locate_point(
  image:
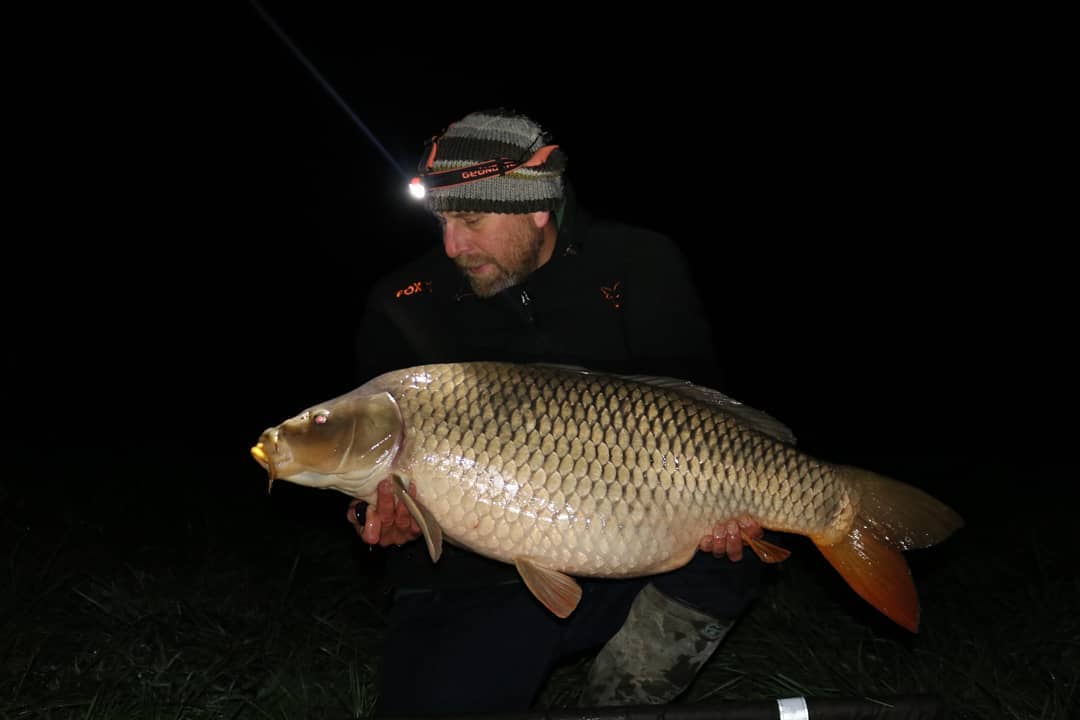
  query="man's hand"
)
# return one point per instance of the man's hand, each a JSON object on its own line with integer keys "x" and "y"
{"x": 727, "y": 538}
{"x": 387, "y": 522}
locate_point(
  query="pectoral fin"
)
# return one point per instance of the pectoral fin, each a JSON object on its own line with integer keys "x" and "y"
{"x": 558, "y": 592}
{"x": 428, "y": 526}
{"x": 767, "y": 551}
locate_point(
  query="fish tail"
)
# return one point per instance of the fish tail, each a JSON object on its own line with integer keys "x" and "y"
{"x": 890, "y": 517}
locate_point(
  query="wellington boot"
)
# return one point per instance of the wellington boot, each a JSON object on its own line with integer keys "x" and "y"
{"x": 655, "y": 655}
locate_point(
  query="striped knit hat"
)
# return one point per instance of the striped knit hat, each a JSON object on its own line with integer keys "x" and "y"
{"x": 512, "y": 167}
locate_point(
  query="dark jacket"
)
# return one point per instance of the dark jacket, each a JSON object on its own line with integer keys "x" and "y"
{"x": 613, "y": 297}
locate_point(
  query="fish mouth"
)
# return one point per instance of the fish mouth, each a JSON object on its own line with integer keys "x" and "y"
{"x": 263, "y": 459}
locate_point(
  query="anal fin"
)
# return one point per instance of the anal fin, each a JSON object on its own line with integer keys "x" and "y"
{"x": 765, "y": 550}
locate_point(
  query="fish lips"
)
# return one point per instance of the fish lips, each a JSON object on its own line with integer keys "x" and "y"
{"x": 259, "y": 453}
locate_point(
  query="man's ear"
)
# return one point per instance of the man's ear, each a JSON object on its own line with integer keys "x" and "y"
{"x": 541, "y": 218}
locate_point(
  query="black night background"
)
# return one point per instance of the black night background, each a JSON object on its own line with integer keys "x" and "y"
{"x": 196, "y": 221}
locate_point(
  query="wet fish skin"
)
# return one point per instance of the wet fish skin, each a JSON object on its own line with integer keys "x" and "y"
{"x": 570, "y": 473}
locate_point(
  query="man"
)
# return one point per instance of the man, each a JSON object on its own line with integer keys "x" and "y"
{"x": 526, "y": 275}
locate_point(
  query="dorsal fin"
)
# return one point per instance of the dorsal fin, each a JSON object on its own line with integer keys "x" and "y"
{"x": 757, "y": 419}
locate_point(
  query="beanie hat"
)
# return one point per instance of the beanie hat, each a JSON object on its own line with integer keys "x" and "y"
{"x": 491, "y": 135}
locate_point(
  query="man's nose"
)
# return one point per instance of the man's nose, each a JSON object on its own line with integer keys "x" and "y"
{"x": 455, "y": 240}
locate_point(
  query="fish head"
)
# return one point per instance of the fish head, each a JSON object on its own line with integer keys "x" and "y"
{"x": 346, "y": 444}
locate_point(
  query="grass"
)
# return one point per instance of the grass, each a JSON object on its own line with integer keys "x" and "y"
{"x": 186, "y": 600}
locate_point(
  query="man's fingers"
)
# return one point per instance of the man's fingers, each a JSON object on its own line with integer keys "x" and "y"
{"x": 393, "y": 536}
{"x": 386, "y": 502}
{"x": 372, "y": 526}
{"x": 725, "y": 541}
{"x": 387, "y": 522}
{"x": 734, "y": 547}
{"x": 402, "y": 518}
{"x": 750, "y": 526}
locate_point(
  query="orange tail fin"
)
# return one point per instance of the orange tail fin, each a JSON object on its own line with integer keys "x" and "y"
{"x": 892, "y": 516}
{"x": 878, "y": 573}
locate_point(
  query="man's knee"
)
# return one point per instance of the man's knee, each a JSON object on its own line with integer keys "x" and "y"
{"x": 718, "y": 587}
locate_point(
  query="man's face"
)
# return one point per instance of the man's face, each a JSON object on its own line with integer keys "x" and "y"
{"x": 494, "y": 250}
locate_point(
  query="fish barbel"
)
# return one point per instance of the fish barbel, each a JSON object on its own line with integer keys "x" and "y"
{"x": 565, "y": 472}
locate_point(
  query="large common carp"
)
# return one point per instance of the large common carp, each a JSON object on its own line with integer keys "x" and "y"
{"x": 565, "y": 472}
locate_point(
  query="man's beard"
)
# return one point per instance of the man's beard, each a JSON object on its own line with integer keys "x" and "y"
{"x": 521, "y": 258}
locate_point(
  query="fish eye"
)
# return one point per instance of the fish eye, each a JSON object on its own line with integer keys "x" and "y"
{"x": 321, "y": 418}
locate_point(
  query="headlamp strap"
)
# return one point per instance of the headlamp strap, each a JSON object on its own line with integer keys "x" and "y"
{"x": 479, "y": 171}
